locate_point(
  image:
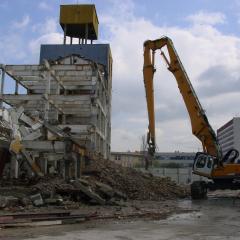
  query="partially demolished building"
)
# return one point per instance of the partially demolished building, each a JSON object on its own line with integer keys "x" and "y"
{"x": 64, "y": 117}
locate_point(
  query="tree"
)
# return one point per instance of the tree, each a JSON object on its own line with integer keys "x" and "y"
{"x": 143, "y": 149}
{"x": 143, "y": 146}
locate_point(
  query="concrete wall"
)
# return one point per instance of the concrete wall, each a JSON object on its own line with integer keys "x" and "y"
{"x": 127, "y": 159}
{"x": 179, "y": 175}
{"x": 99, "y": 53}
{"x": 136, "y": 159}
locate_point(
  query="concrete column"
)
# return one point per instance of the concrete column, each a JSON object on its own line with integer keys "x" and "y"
{"x": 67, "y": 157}
{"x": 14, "y": 168}
{"x": 79, "y": 165}
{"x": 43, "y": 165}
{"x": 63, "y": 115}
{"x": 16, "y": 87}
{"x": 67, "y": 169}
{"x": 75, "y": 164}
{"x": 61, "y": 169}
{"x": 2, "y": 86}
{"x": 47, "y": 92}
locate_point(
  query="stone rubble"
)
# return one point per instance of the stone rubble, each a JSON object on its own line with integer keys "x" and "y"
{"x": 102, "y": 183}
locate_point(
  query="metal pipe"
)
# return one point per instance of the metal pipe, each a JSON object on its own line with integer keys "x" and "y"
{"x": 86, "y": 33}
{"x": 65, "y": 32}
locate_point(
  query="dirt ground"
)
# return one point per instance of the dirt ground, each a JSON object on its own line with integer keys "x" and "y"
{"x": 214, "y": 218}
{"x": 131, "y": 211}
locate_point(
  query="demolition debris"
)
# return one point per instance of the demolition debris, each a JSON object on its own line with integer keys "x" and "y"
{"x": 104, "y": 183}
{"x": 55, "y": 135}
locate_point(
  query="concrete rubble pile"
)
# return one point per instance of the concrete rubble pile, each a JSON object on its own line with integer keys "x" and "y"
{"x": 134, "y": 184}
{"x": 54, "y": 191}
{"x": 103, "y": 183}
{"x": 24, "y": 138}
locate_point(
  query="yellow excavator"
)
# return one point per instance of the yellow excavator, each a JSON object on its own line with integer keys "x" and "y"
{"x": 221, "y": 171}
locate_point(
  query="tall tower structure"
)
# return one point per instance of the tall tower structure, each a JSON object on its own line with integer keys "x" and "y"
{"x": 68, "y": 93}
{"x": 80, "y": 23}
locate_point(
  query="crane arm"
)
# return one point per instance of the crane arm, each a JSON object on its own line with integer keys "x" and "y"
{"x": 200, "y": 125}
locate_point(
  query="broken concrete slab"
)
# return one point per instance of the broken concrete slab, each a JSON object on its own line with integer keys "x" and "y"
{"x": 8, "y": 201}
{"x": 56, "y": 200}
{"x": 37, "y": 200}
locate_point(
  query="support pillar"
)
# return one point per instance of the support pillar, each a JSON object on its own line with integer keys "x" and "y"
{"x": 14, "y": 167}
{"x": 68, "y": 159}
{"x": 75, "y": 165}
{"x": 16, "y": 88}
{"x": 65, "y": 34}
{"x": 86, "y": 33}
{"x": 78, "y": 167}
{"x": 43, "y": 165}
{"x": 47, "y": 92}
{"x": 2, "y": 87}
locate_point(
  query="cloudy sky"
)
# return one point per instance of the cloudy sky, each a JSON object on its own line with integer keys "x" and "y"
{"x": 206, "y": 34}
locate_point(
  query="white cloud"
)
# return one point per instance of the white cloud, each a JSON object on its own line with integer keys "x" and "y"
{"x": 201, "y": 48}
{"x": 48, "y": 26}
{"x": 44, "y": 6}
{"x": 13, "y": 49}
{"x": 209, "y": 18}
{"x": 211, "y": 59}
{"x": 48, "y": 34}
{"x": 50, "y": 38}
{"x": 22, "y": 23}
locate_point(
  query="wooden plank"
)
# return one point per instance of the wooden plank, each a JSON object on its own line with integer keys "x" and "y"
{"x": 32, "y": 224}
{"x": 33, "y": 215}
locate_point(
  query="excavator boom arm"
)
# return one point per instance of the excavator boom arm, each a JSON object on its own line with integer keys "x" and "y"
{"x": 200, "y": 125}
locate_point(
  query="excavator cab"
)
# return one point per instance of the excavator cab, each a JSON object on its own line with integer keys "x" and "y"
{"x": 203, "y": 164}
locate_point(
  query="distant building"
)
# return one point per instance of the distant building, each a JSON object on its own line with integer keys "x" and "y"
{"x": 127, "y": 159}
{"x": 184, "y": 159}
{"x": 136, "y": 159}
{"x": 229, "y": 135}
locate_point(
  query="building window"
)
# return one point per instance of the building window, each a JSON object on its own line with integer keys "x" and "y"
{"x": 201, "y": 162}
{"x": 117, "y": 157}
